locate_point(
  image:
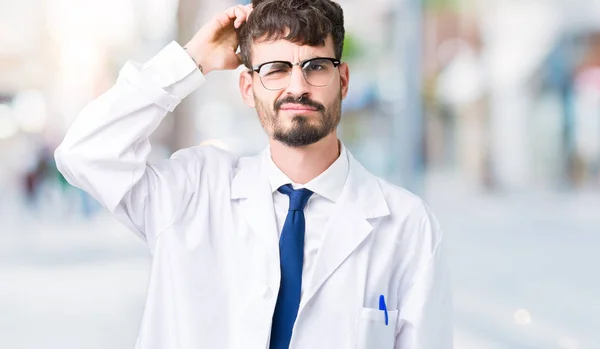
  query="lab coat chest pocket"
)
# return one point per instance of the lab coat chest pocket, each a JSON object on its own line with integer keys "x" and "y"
{"x": 372, "y": 332}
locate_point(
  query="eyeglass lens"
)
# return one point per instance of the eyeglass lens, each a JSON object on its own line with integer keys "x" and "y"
{"x": 317, "y": 72}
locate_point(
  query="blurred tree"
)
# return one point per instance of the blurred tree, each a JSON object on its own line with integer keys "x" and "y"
{"x": 441, "y": 4}
{"x": 352, "y": 48}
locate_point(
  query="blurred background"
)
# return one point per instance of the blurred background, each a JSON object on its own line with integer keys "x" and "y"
{"x": 489, "y": 109}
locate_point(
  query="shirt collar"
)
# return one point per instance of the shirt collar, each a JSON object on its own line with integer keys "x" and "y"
{"x": 328, "y": 184}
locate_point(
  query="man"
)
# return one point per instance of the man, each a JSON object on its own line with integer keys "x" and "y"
{"x": 297, "y": 247}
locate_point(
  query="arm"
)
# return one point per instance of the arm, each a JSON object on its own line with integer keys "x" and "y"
{"x": 426, "y": 321}
{"x": 106, "y": 149}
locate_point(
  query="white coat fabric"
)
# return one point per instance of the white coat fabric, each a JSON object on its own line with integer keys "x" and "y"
{"x": 209, "y": 223}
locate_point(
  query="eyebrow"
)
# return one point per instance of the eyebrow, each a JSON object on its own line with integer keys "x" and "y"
{"x": 302, "y": 60}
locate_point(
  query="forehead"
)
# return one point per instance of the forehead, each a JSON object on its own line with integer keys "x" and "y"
{"x": 264, "y": 51}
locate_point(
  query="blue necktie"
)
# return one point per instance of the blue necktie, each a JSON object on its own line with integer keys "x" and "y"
{"x": 291, "y": 252}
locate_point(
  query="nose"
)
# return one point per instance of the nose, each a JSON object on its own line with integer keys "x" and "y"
{"x": 298, "y": 85}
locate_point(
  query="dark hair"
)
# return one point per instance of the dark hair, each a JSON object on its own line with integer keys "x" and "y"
{"x": 309, "y": 22}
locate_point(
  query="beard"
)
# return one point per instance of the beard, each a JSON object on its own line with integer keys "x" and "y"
{"x": 303, "y": 131}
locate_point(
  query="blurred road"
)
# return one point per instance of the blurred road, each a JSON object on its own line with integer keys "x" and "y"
{"x": 523, "y": 268}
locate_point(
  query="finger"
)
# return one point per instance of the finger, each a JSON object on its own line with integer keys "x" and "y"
{"x": 241, "y": 14}
{"x": 224, "y": 19}
{"x": 237, "y": 11}
{"x": 246, "y": 8}
{"x": 230, "y": 12}
{"x": 236, "y": 14}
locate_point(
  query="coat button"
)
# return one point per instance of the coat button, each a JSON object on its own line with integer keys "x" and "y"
{"x": 268, "y": 293}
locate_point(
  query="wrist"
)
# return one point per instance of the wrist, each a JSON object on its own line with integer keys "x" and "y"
{"x": 198, "y": 60}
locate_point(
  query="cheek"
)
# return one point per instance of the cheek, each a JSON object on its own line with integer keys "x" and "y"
{"x": 333, "y": 95}
{"x": 266, "y": 100}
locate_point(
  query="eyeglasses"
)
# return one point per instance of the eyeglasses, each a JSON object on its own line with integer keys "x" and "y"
{"x": 276, "y": 75}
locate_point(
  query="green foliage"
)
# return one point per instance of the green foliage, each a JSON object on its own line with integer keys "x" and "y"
{"x": 352, "y": 48}
{"x": 440, "y": 4}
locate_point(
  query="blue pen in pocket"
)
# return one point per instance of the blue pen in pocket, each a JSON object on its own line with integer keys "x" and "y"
{"x": 383, "y": 307}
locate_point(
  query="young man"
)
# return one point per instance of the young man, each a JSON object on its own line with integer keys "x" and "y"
{"x": 297, "y": 247}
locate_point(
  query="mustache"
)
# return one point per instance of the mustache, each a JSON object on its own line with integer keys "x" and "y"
{"x": 298, "y": 100}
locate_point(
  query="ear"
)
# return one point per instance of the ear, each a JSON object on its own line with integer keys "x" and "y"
{"x": 246, "y": 88}
{"x": 344, "y": 78}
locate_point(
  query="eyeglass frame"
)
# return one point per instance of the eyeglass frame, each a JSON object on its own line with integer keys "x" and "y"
{"x": 336, "y": 63}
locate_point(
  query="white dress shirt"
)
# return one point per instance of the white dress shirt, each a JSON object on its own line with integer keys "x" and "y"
{"x": 327, "y": 188}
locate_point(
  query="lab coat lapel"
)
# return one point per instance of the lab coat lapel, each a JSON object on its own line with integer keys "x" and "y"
{"x": 361, "y": 199}
{"x": 251, "y": 186}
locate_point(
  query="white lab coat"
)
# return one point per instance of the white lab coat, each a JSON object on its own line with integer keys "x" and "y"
{"x": 209, "y": 223}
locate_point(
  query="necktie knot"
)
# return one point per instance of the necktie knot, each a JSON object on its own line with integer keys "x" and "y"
{"x": 298, "y": 198}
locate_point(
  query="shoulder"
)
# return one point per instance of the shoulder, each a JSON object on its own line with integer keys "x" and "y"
{"x": 204, "y": 153}
{"x": 212, "y": 162}
{"x": 204, "y": 165}
{"x": 414, "y": 217}
{"x": 402, "y": 200}
{"x": 210, "y": 157}
{"x": 404, "y": 210}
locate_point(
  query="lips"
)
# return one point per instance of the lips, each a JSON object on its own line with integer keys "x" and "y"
{"x": 297, "y": 107}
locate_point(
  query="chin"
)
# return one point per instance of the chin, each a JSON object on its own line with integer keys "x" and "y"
{"x": 305, "y": 113}
{"x": 292, "y": 118}
{"x": 300, "y": 118}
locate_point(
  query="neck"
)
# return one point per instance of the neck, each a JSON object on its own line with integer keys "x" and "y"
{"x": 303, "y": 164}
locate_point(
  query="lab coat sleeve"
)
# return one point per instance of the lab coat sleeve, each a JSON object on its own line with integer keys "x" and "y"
{"x": 426, "y": 321}
{"x": 105, "y": 150}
